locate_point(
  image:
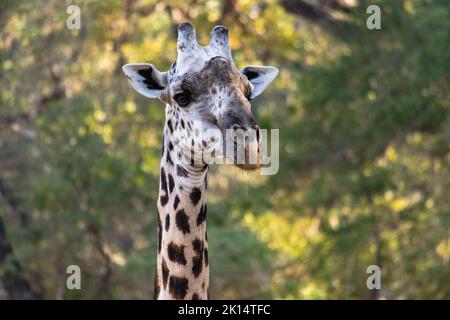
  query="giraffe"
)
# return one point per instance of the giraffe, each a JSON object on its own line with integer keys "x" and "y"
{"x": 203, "y": 87}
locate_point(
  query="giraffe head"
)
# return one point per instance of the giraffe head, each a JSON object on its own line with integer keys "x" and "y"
{"x": 208, "y": 99}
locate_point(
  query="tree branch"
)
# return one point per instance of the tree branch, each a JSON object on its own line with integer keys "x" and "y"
{"x": 309, "y": 11}
{"x": 104, "y": 284}
{"x": 15, "y": 284}
{"x": 13, "y": 203}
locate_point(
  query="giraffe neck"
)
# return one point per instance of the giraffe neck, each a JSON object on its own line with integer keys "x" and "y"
{"x": 182, "y": 256}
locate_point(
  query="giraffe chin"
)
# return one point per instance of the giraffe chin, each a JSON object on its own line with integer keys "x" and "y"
{"x": 250, "y": 158}
{"x": 249, "y": 167}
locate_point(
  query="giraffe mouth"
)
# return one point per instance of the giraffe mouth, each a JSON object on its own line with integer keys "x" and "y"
{"x": 249, "y": 167}
{"x": 248, "y": 157}
{"x": 248, "y": 164}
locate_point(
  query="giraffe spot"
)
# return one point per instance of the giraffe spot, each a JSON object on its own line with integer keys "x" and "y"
{"x": 206, "y": 257}
{"x": 176, "y": 202}
{"x": 164, "y": 198}
{"x": 171, "y": 182}
{"x": 167, "y": 222}
{"x": 169, "y": 125}
{"x": 178, "y": 287}
{"x": 169, "y": 158}
{"x": 197, "y": 260}
{"x": 156, "y": 286}
{"x": 159, "y": 234}
{"x": 165, "y": 273}
{"x": 202, "y": 214}
{"x": 195, "y": 196}
{"x": 182, "y": 172}
{"x": 182, "y": 221}
{"x": 195, "y": 296}
{"x": 176, "y": 253}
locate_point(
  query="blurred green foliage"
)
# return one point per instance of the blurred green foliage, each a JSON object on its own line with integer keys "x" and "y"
{"x": 364, "y": 149}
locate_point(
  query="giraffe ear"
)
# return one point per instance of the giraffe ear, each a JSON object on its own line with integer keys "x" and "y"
{"x": 146, "y": 79}
{"x": 260, "y": 77}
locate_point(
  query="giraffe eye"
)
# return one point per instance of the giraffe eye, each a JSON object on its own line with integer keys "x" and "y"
{"x": 182, "y": 98}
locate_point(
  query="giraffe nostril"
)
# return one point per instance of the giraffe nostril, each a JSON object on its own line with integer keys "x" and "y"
{"x": 236, "y": 127}
{"x": 257, "y": 132}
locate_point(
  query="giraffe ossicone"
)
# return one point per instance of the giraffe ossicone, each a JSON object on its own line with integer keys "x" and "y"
{"x": 206, "y": 97}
